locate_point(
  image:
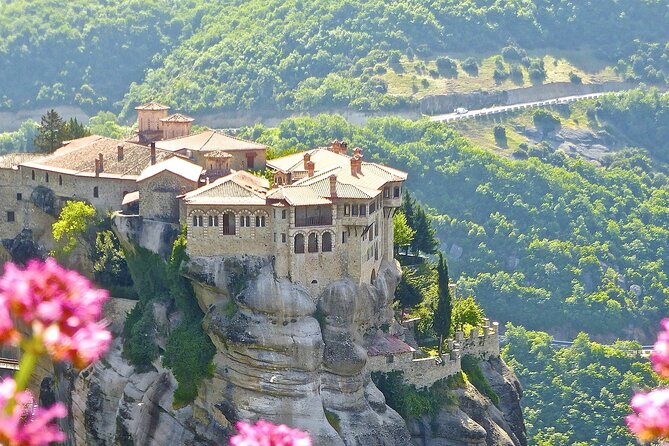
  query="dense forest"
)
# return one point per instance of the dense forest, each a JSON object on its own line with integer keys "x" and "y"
{"x": 277, "y": 55}
{"x": 578, "y": 395}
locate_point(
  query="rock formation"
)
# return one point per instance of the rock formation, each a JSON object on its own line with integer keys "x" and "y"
{"x": 285, "y": 356}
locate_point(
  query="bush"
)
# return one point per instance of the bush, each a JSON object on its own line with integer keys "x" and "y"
{"x": 470, "y": 66}
{"x": 410, "y": 402}
{"x": 471, "y": 367}
{"x": 500, "y": 135}
{"x": 447, "y": 67}
{"x": 500, "y": 75}
{"x": 139, "y": 330}
{"x": 516, "y": 74}
{"x": 545, "y": 121}
{"x": 575, "y": 78}
{"x": 537, "y": 71}
{"x": 512, "y": 53}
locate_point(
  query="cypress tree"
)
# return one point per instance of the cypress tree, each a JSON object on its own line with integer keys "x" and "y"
{"x": 51, "y": 132}
{"x": 444, "y": 311}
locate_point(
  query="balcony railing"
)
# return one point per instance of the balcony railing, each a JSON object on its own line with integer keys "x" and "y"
{"x": 323, "y": 220}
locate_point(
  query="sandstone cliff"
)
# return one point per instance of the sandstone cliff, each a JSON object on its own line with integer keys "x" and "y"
{"x": 286, "y": 356}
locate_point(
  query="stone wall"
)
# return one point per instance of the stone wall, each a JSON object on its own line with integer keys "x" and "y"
{"x": 158, "y": 196}
{"x": 482, "y": 342}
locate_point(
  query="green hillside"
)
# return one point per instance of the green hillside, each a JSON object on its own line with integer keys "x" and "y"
{"x": 259, "y": 54}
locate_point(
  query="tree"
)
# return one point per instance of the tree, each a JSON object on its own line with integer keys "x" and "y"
{"x": 466, "y": 311}
{"x": 545, "y": 121}
{"x": 73, "y": 129}
{"x": 424, "y": 239}
{"x": 74, "y": 220}
{"x": 443, "y": 313}
{"x": 500, "y": 135}
{"x": 402, "y": 232}
{"x": 51, "y": 133}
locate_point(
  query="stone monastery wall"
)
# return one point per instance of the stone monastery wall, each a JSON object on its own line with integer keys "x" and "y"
{"x": 482, "y": 342}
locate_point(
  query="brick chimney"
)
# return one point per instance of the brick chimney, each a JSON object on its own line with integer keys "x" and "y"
{"x": 97, "y": 167}
{"x": 307, "y": 159}
{"x": 120, "y": 152}
{"x": 335, "y": 146}
{"x": 357, "y": 151}
{"x": 343, "y": 148}
{"x": 102, "y": 164}
{"x": 333, "y": 185}
{"x": 356, "y": 161}
{"x": 153, "y": 153}
{"x": 310, "y": 168}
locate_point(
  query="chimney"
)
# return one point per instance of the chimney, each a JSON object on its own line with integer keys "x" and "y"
{"x": 343, "y": 148}
{"x": 335, "y": 146}
{"x": 153, "y": 153}
{"x": 307, "y": 159}
{"x": 310, "y": 168}
{"x": 120, "y": 152}
{"x": 333, "y": 186}
{"x": 102, "y": 165}
{"x": 357, "y": 151}
{"x": 354, "y": 165}
{"x": 97, "y": 167}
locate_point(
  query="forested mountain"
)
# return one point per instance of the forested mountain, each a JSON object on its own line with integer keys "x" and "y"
{"x": 258, "y": 54}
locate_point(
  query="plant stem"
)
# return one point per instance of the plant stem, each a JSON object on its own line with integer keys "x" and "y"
{"x": 26, "y": 367}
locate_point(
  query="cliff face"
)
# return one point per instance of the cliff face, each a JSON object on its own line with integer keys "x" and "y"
{"x": 285, "y": 356}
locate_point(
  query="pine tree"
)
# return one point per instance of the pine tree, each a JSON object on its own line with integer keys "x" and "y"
{"x": 51, "y": 133}
{"x": 425, "y": 239}
{"x": 73, "y": 129}
{"x": 444, "y": 311}
{"x": 408, "y": 208}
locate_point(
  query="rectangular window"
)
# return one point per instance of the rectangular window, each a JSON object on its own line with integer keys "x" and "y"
{"x": 275, "y": 237}
{"x": 33, "y": 174}
{"x": 396, "y": 193}
{"x": 10, "y": 216}
{"x": 283, "y": 238}
{"x": 376, "y": 229}
{"x": 19, "y": 196}
{"x": 283, "y": 214}
{"x": 260, "y": 221}
{"x": 363, "y": 210}
{"x": 354, "y": 209}
{"x": 347, "y": 209}
{"x": 46, "y": 177}
{"x": 386, "y": 192}
{"x": 343, "y": 237}
{"x": 372, "y": 208}
{"x": 96, "y": 192}
{"x": 60, "y": 180}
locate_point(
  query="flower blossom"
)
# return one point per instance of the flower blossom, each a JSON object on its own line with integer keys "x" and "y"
{"x": 26, "y": 424}
{"x": 60, "y": 305}
{"x": 660, "y": 354}
{"x": 264, "y": 433}
{"x": 650, "y": 420}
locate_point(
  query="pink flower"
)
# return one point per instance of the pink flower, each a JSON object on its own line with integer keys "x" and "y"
{"x": 660, "y": 354}
{"x": 27, "y": 424}
{"x": 60, "y": 305}
{"x": 264, "y": 433}
{"x": 650, "y": 420}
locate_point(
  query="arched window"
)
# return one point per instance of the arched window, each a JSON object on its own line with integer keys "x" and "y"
{"x": 299, "y": 244}
{"x": 313, "y": 242}
{"x": 373, "y": 277}
{"x": 326, "y": 244}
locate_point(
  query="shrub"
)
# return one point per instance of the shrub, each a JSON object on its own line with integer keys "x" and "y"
{"x": 500, "y": 135}
{"x": 471, "y": 367}
{"x": 499, "y": 75}
{"x": 513, "y": 53}
{"x": 575, "y": 78}
{"x": 545, "y": 121}
{"x": 537, "y": 71}
{"x": 516, "y": 74}
{"x": 470, "y": 66}
{"x": 447, "y": 67}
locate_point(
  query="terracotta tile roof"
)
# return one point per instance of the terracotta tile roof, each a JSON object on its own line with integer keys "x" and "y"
{"x": 297, "y": 196}
{"x": 322, "y": 158}
{"x": 177, "y": 117}
{"x": 238, "y": 188}
{"x": 79, "y": 155}
{"x": 177, "y": 166}
{"x": 130, "y": 197}
{"x": 208, "y": 141}
{"x": 152, "y": 106}
{"x": 388, "y": 345}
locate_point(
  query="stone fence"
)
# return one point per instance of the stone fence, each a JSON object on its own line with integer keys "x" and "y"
{"x": 482, "y": 342}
